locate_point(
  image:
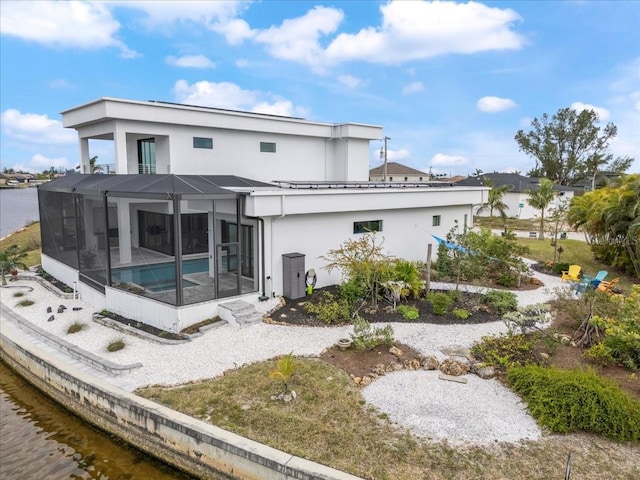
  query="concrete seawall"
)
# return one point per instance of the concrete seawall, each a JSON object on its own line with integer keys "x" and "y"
{"x": 196, "y": 447}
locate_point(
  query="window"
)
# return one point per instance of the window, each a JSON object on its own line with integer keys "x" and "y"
{"x": 268, "y": 147}
{"x": 391, "y": 179}
{"x": 147, "y": 155}
{"x": 201, "y": 142}
{"x": 406, "y": 178}
{"x": 368, "y": 226}
{"x": 436, "y": 221}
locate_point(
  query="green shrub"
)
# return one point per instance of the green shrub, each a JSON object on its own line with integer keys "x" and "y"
{"x": 571, "y": 400}
{"x": 507, "y": 280}
{"x": 353, "y": 292}
{"x": 408, "y": 312}
{"x": 19, "y": 294}
{"x": 329, "y": 309}
{"x": 622, "y": 330}
{"x": 365, "y": 337}
{"x": 25, "y": 303}
{"x": 502, "y": 301}
{"x": 505, "y": 351}
{"x": 440, "y": 302}
{"x": 115, "y": 345}
{"x": 75, "y": 327}
{"x": 461, "y": 313}
{"x": 558, "y": 268}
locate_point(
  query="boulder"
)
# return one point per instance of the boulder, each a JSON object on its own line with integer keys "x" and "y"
{"x": 430, "y": 363}
{"x": 395, "y": 351}
{"x": 454, "y": 368}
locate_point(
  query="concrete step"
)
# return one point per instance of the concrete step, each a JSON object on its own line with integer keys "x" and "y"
{"x": 238, "y": 312}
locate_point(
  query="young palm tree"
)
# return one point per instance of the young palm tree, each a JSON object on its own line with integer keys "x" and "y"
{"x": 540, "y": 199}
{"x": 10, "y": 259}
{"x": 494, "y": 202}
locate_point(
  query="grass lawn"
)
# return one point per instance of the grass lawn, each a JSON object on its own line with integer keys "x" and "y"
{"x": 575, "y": 252}
{"x": 330, "y": 423}
{"x": 28, "y": 239}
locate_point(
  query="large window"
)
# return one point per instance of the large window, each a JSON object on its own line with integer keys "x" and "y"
{"x": 268, "y": 147}
{"x": 147, "y": 155}
{"x": 368, "y": 226}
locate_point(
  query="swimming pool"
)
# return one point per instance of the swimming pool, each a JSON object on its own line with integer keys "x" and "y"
{"x": 159, "y": 277}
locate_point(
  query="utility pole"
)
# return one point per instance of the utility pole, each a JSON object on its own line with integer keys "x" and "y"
{"x": 384, "y": 169}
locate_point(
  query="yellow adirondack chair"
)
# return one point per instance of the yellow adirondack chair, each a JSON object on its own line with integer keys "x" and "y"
{"x": 571, "y": 275}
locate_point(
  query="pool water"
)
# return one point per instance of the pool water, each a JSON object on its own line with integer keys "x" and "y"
{"x": 159, "y": 277}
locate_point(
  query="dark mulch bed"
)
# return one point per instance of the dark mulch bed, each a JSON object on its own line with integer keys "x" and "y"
{"x": 142, "y": 326}
{"x": 63, "y": 287}
{"x": 293, "y": 312}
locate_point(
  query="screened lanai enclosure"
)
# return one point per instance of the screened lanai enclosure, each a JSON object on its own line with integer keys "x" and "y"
{"x": 178, "y": 239}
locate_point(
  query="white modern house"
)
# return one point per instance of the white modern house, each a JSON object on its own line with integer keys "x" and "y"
{"x": 209, "y": 204}
{"x": 517, "y": 197}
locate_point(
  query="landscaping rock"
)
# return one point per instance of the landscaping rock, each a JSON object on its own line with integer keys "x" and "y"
{"x": 454, "y": 368}
{"x": 458, "y": 352}
{"x": 430, "y": 363}
{"x": 395, "y": 351}
{"x": 486, "y": 372}
{"x": 51, "y": 318}
{"x": 379, "y": 369}
{"x": 394, "y": 367}
{"x": 413, "y": 364}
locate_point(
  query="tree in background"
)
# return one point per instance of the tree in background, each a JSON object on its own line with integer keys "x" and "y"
{"x": 570, "y": 147}
{"x": 540, "y": 199}
{"x": 611, "y": 218}
{"x": 494, "y": 202}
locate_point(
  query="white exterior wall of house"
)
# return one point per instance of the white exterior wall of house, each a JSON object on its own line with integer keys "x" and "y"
{"x": 304, "y": 150}
{"x": 514, "y": 199}
{"x": 312, "y": 222}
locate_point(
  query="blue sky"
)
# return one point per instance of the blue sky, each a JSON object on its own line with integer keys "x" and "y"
{"x": 451, "y": 82}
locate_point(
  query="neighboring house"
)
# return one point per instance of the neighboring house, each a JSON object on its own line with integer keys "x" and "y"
{"x": 396, "y": 172}
{"x": 16, "y": 178}
{"x": 230, "y": 204}
{"x": 516, "y": 198}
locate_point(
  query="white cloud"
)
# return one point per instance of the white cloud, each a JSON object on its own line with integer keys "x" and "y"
{"x": 495, "y": 104}
{"x": 393, "y": 155}
{"x": 39, "y": 162}
{"x": 297, "y": 39}
{"x": 83, "y": 25}
{"x": 235, "y": 31}
{"x": 414, "y": 87}
{"x": 59, "y": 83}
{"x": 35, "y": 128}
{"x": 231, "y": 96}
{"x": 419, "y": 29}
{"x": 242, "y": 63}
{"x": 442, "y": 159}
{"x": 603, "y": 113}
{"x": 349, "y": 81}
{"x": 190, "y": 61}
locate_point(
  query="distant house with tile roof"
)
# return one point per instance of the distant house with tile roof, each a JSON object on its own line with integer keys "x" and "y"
{"x": 396, "y": 172}
{"x": 516, "y": 198}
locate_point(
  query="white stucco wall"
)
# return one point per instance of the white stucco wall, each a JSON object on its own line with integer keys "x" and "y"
{"x": 406, "y": 234}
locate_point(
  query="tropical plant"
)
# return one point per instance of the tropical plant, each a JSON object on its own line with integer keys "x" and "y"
{"x": 10, "y": 259}
{"x": 408, "y": 273}
{"x": 540, "y": 199}
{"x": 284, "y": 370}
{"x": 611, "y": 218}
{"x": 494, "y": 201}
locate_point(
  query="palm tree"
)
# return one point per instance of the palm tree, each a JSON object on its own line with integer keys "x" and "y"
{"x": 494, "y": 202}
{"x": 93, "y": 167}
{"x": 10, "y": 259}
{"x": 540, "y": 199}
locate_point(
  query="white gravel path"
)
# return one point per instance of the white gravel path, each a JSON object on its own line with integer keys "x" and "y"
{"x": 479, "y": 412}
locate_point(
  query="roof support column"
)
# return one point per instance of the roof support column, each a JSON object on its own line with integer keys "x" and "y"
{"x": 120, "y": 147}
{"x": 124, "y": 230}
{"x": 177, "y": 242}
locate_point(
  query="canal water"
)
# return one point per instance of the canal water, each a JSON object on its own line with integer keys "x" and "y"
{"x": 40, "y": 440}
{"x": 18, "y": 206}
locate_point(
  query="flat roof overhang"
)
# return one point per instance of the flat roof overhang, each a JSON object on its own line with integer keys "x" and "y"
{"x": 158, "y": 186}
